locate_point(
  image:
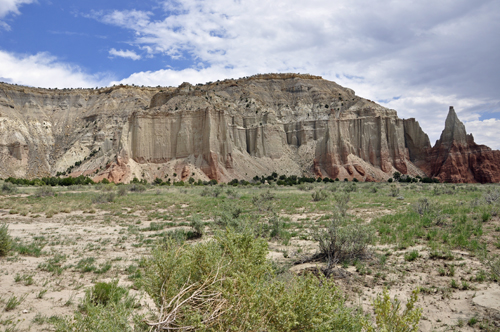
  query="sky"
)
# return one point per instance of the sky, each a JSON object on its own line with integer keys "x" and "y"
{"x": 416, "y": 56}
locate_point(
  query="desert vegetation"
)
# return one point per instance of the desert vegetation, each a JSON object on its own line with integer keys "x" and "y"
{"x": 296, "y": 255}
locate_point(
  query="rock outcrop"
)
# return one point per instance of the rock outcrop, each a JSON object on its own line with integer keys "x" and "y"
{"x": 457, "y": 158}
{"x": 286, "y": 123}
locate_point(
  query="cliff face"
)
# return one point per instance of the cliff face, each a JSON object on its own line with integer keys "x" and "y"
{"x": 43, "y": 132}
{"x": 291, "y": 125}
{"x": 287, "y": 123}
{"x": 457, "y": 158}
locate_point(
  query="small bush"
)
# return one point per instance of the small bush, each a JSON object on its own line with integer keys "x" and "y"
{"x": 139, "y": 188}
{"x": 422, "y": 206}
{"x": 122, "y": 191}
{"x": 343, "y": 242}
{"x": 8, "y": 188}
{"x": 5, "y": 240}
{"x": 197, "y": 225}
{"x": 105, "y": 307}
{"x": 104, "y": 293}
{"x": 342, "y": 202}
{"x": 305, "y": 186}
{"x": 238, "y": 290}
{"x": 389, "y": 318}
{"x": 492, "y": 197}
{"x": 104, "y": 198}
{"x": 486, "y": 216}
{"x": 351, "y": 187}
{"x": 44, "y": 191}
{"x": 214, "y": 191}
{"x": 394, "y": 190}
{"x": 319, "y": 195}
{"x": 107, "y": 187}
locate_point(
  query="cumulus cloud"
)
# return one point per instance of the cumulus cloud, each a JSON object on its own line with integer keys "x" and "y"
{"x": 124, "y": 54}
{"x": 44, "y": 70}
{"x": 485, "y": 131}
{"x": 418, "y": 58}
{"x": 10, "y": 7}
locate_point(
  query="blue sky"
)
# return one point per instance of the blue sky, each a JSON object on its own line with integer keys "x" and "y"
{"x": 417, "y": 57}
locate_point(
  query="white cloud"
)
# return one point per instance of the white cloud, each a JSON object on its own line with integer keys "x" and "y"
{"x": 44, "y": 70}
{"x": 124, "y": 54}
{"x": 11, "y": 6}
{"x": 8, "y": 7}
{"x": 485, "y": 132}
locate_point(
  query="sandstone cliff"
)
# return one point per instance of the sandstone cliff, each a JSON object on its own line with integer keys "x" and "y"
{"x": 457, "y": 158}
{"x": 288, "y": 123}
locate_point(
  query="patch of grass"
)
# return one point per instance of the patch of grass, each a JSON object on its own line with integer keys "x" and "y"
{"x": 103, "y": 268}
{"x": 481, "y": 276}
{"x": 13, "y": 302}
{"x": 31, "y": 249}
{"x": 472, "y": 321}
{"x": 105, "y": 307}
{"x": 54, "y": 264}
{"x": 411, "y": 256}
{"x": 86, "y": 265}
{"x": 41, "y": 293}
{"x": 5, "y": 240}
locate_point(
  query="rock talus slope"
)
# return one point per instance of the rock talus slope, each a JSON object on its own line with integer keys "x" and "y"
{"x": 286, "y": 123}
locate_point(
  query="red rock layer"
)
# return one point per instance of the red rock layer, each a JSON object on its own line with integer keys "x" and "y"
{"x": 456, "y": 158}
{"x": 463, "y": 164}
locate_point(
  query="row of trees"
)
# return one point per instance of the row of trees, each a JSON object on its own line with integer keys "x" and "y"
{"x": 52, "y": 181}
{"x": 281, "y": 180}
{"x": 398, "y": 177}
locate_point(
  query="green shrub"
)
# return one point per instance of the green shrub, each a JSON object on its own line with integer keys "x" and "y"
{"x": 104, "y": 293}
{"x": 105, "y": 307}
{"x": 136, "y": 187}
{"x": 104, "y": 198}
{"x": 343, "y": 241}
{"x": 422, "y": 206}
{"x": 122, "y": 191}
{"x": 342, "y": 202}
{"x": 214, "y": 191}
{"x": 239, "y": 290}
{"x": 197, "y": 224}
{"x": 394, "y": 190}
{"x": 486, "y": 216}
{"x": 44, "y": 191}
{"x": 8, "y": 188}
{"x": 351, "y": 187}
{"x": 389, "y": 318}
{"x": 319, "y": 195}
{"x": 5, "y": 240}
